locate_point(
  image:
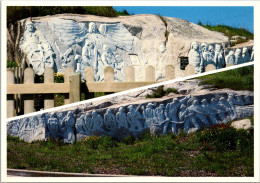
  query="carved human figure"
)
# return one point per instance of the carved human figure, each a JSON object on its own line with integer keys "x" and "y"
{"x": 188, "y": 118}
{"x": 88, "y": 121}
{"x": 238, "y": 56}
{"x": 227, "y": 107}
{"x": 81, "y": 125}
{"x": 245, "y": 55}
{"x": 209, "y": 110}
{"x": 195, "y": 111}
{"x": 109, "y": 120}
{"x": 159, "y": 113}
{"x": 205, "y": 56}
{"x": 53, "y": 126}
{"x": 171, "y": 114}
{"x": 134, "y": 118}
{"x": 252, "y": 54}
{"x": 195, "y": 57}
{"x": 211, "y": 55}
{"x": 39, "y": 51}
{"x": 121, "y": 118}
{"x": 97, "y": 121}
{"x": 230, "y": 58}
{"x": 67, "y": 128}
{"x": 107, "y": 56}
{"x": 148, "y": 114}
{"x": 219, "y": 59}
{"x": 119, "y": 65}
{"x": 89, "y": 52}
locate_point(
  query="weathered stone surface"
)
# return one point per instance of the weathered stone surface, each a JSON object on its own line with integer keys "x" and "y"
{"x": 131, "y": 114}
{"x": 242, "y": 124}
{"x": 66, "y": 40}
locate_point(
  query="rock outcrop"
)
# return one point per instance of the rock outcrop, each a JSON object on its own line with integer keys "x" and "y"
{"x": 85, "y": 40}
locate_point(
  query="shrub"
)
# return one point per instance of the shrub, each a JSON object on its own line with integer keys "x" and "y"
{"x": 222, "y": 137}
{"x": 58, "y": 77}
{"x": 12, "y": 64}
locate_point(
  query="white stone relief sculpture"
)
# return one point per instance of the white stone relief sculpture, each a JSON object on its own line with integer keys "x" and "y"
{"x": 219, "y": 58}
{"x": 195, "y": 57}
{"x": 37, "y": 48}
{"x": 211, "y": 55}
{"x": 238, "y": 56}
{"x": 188, "y": 113}
{"x": 230, "y": 58}
{"x": 109, "y": 120}
{"x": 148, "y": 114}
{"x": 134, "y": 118}
{"x": 245, "y": 55}
{"x": 97, "y": 121}
{"x": 121, "y": 118}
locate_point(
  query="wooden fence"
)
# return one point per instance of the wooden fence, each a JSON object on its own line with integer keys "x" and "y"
{"x": 27, "y": 89}
{"x": 109, "y": 84}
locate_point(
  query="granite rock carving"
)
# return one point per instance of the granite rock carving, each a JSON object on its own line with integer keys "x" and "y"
{"x": 190, "y": 113}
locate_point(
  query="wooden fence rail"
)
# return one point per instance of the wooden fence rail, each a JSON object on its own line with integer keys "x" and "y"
{"x": 71, "y": 87}
{"x": 26, "y": 88}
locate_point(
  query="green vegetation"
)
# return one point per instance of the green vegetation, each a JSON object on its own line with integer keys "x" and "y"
{"x": 12, "y": 64}
{"x": 236, "y": 79}
{"x": 15, "y": 13}
{"x": 229, "y": 31}
{"x": 216, "y": 151}
{"x": 160, "y": 92}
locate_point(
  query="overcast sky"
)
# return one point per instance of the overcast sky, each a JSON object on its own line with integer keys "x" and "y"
{"x": 242, "y": 16}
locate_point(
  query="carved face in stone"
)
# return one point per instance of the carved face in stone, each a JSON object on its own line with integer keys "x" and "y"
{"x": 30, "y": 27}
{"x": 218, "y": 47}
{"x": 194, "y": 46}
{"x": 106, "y": 48}
{"x": 204, "y": 101}
{"x": 231, "y": 53}
{"x": 121, "y": 109}
{"x": 161, "y": 106}
{"x": 102, "y": 29}
{"x": 238, "y": 51}
{"x": 211, "y": 49}
{"x": 195, "y": 102}
{"x": 92, "y": 28}
{"x": 245, "y": 50}
{"x": 204, "y": 47}
{"x": 213, "y": 100}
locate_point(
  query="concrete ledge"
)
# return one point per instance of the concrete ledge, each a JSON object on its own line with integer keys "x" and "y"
{"x": 33, "y": 173}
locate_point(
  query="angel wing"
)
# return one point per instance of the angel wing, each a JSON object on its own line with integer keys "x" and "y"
{"x": 67, "y": 30}
{"x": 118, "y": 33}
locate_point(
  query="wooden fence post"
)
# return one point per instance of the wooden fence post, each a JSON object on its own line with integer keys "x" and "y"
{"x": 68, "y": 71}
{"x": 10, "y": 98}
{"x": 189, "y": 70}
{"x": 150, "y": 74}
{"x": 48, "y": 78}
{"x": 109, "y": 75}
{"x": 74, "y": 87}
{"x": 169, "y": 72}
{"x": 28, "y": 98}
{"x": 130, "y": 74}
{"x": 210, "y": 67}
{"x": 89, "y": 74}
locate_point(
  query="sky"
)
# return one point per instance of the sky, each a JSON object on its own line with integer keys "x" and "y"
{"x": 239, "y": 17}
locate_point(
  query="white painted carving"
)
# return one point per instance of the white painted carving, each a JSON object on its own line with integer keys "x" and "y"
{"x": 195, "y": 57}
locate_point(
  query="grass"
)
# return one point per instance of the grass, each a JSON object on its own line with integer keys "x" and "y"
{"x": 236, "y": 79}
{"x": 160, "y": 92}
{"x": 228, "y": 30}
{"x": 195, "y": 154}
